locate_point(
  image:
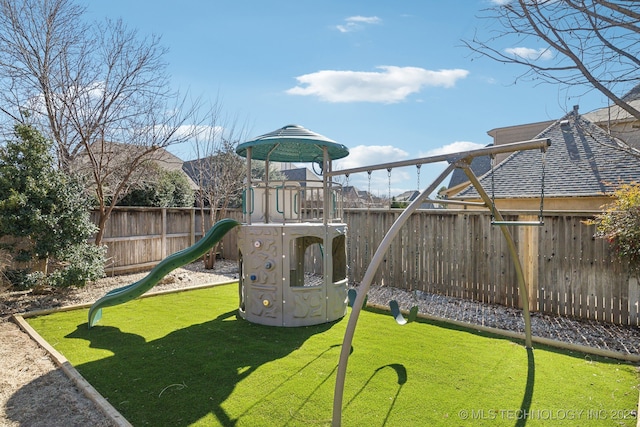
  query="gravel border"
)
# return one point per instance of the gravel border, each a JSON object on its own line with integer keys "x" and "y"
{"x": 620, "y": 339}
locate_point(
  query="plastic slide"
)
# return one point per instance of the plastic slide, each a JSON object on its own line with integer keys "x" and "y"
{"x": 170, "y": 263}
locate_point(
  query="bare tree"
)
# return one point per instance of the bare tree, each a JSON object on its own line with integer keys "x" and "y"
{"x": 217, "y": 171}
{"x": 587, "y": 43}
{"x": 100, "y": 92}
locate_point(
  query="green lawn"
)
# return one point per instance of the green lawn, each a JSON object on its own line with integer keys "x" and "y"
{"x": 185, "y": 359}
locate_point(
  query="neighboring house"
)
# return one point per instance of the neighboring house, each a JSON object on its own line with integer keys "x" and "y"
{"x": 115, "y": 156}
{"x": 351, "y": 197}
{"x": 200, "y": 172}
{"x": 481, "y": 165}
{"x": 582, "y": 167}
{"x": 409, "y": 196}
{"x": 310, "y": 184}
{"x": 354, "y": 198}
{"x": 617, "y": 122}
{"x": 517, "y": 133}
{"x": 304, "y": 176}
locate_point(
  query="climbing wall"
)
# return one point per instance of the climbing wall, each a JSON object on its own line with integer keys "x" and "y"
{"x": 275, "y": 289}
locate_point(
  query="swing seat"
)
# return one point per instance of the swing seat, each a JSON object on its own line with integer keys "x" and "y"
{"x": 517, "y": 223}
{"x": 530, "y": 223}
{"x": 395, "y": 312}
{"x": 352, "y": 294}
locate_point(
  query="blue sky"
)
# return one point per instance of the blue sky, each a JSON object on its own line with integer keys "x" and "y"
{"x": 390, "y": 80}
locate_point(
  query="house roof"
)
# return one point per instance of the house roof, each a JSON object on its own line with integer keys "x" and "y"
{"x": 207, "y": 171}
{"x": 299, "y": 174}
{"x": 479, "y": 165}
{"x": 407, "y": 196}
{"x": 120, "y": 155}
{"x": 122, "y": 152}
{"x": 632, "y": 95}
{"x": 614, "y": 113}
{"x": 581, "y": 161}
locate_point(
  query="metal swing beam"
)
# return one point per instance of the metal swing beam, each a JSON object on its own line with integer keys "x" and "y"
{"x": 533, "y": 144}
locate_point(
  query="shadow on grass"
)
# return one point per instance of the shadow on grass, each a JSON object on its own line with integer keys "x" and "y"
{"x": 188, "y": 374}
{"x": 401, "y": 372}
{"x": 525, "y": 406}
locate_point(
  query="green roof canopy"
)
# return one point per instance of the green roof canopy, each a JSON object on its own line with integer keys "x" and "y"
{"x": 292, "y": 143}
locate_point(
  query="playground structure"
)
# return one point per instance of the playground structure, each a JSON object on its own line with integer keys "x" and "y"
{"x": 286, "y": 222}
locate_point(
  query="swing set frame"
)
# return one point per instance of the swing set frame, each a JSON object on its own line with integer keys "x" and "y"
{"x": 456, "y": 160}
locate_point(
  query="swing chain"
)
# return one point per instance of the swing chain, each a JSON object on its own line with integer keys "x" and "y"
{"x": 389, "y": 179}
{"x": 493, "y": 188}
{"x": 542, "y": 180}
{"x": 418, "y": 166}
{"x": 346, "y": 187}
{"x": 369, "y": 196}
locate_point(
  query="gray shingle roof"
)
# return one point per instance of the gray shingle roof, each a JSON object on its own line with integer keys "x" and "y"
{"x": 300, "y": 174}
{"x": 581, "y": 161}
{"x": 633, "y": 94}
{"x": 479, "y": 166}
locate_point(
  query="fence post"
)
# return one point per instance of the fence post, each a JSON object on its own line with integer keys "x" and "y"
{"x": 530, "y": 249}
{"x": 192, "y": 226}
{"x": 633, "y": 301}
{"x": 163, "y": 236}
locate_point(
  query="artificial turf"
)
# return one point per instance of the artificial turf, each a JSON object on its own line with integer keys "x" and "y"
{"x": 185, "y": 359}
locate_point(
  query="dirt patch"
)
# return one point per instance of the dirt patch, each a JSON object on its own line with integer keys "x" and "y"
{"x": 33, "y": 390}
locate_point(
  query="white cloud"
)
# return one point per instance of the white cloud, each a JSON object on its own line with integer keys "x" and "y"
{"x": 378, "y": 181}
{"x": 364, "y": 19}
{"x": 200, "y": 132}
{"x": 356, "y": 23}
{"x": 389, "y": 85}
{"x": 454, "y": 147}
{"x": 529, "y": 53}
{"x": 365, "y": 155}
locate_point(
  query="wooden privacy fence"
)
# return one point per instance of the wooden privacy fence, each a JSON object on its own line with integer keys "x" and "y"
{"x": 138, "y": 238}
{"x": 460, "y": 254}
{"x": 456, "y": 253}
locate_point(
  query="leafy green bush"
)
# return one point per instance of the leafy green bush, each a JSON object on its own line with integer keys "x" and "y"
{"x": 620, "y": 224}
{"x": 46, "y": 214}
{"x": 83, "y": 263}
{"x": 166, "y": 189}
{"x": 398, "y": 205}
{"x": 22, "y": 278}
